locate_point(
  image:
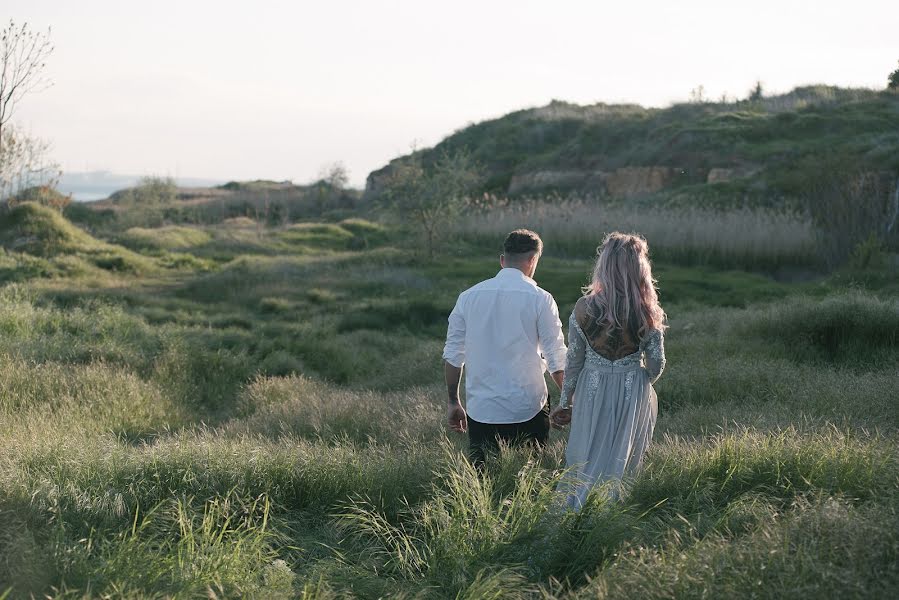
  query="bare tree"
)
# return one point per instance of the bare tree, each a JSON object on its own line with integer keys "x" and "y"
{"x": 25, "y": 163}
{"x": 335, "y": 175}
{"x": 431, "y": 196}
{"x": 332, "y": 181}
{"x": 23, "y": 53}
{"x": 851, "y": 207}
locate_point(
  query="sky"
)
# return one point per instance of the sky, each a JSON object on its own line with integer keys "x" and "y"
{"x": 282, "y": 89}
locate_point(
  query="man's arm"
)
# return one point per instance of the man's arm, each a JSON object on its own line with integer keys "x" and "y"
{"x": 551, "y": 338}
{"x": 453, "y": 376}
{"x": 558, "y": 377}
{"x": 453, "y": 361}
{"x": 455, "y": 414}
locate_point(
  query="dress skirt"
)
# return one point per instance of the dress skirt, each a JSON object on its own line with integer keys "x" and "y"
{"x": 612, "y": 421}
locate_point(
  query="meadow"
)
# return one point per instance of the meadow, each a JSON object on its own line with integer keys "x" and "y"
{"x": 256, "y": 410}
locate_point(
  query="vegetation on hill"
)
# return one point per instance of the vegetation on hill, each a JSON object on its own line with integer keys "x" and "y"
{"x": 42, "y": 194}
{"x": 762, "y": 149}
{"x": 157, "y": 202}
{"x": 237, "y": 392}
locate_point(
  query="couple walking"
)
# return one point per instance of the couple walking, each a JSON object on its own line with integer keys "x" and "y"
{"x": 506, "y": 332}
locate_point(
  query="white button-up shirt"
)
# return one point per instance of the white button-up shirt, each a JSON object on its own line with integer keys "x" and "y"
{"x": 499, "y": 328}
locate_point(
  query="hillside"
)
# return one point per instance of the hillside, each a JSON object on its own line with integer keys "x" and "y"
{"x": 244, "y": 410}
{"x": 772, "y": 148}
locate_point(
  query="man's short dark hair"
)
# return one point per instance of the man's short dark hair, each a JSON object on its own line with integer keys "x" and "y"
{"x": 521, "y": 244}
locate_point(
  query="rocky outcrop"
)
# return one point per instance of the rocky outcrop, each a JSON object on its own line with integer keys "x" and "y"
{"x": 636, "y": 181}
{"x": 625, "y": 182}
{"x": 376, "y": 182}
{"x": 543, "y": 181}
{"x": 722, "y": 175}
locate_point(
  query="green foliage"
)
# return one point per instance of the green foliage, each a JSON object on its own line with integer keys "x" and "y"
{"x": 868, "y": 254}
{"x": 758, "y": 240}
{"x": 431, "y": 195}
{"x": 43, "y": 194}
{"x": 757, "y": 92}
{"x": 40, "y": 231}
{"x": 844, "y": 329}
{"x": 149, "y": 191}
{"x": 774, "y": 137}
{"x": 264, "y": 420}
{"x": 171, "y": 237}
{"x": 893, "y": 80}
{"x": 850, "y": 208}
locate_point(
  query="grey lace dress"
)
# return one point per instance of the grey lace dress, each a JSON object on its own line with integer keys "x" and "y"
{"x": 615, "y": 405}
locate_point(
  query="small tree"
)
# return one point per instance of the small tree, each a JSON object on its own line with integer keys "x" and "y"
{"x": 330, "y": 186}
{"x": 25, "y": 163}
{"x": 150, "y": 190}
{"x": 757, "y": 93}
{"x": 893, "y": 83}
{"x": 851, "y": 207}
{"x": 697, "y": 95}
{"x": 431, "y": 196}
{"x": 23, "y": 53}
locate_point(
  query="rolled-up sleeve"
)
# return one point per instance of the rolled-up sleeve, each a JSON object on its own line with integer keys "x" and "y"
{"x": 549, "y": 331}
{"x": 454, "y": 349}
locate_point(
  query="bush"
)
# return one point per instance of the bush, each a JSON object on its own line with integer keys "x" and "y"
{"x": 849, "y": 207}
{"x": 171, "y": 237}
{"x": 43, "y": 194}
{"x": 849, "y": 329}
{"x": 150, "y": 190}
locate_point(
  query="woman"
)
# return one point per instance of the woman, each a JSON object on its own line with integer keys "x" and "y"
{"x": 615, "y": 353}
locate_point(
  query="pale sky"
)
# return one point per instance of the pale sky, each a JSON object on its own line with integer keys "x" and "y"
{"x": 278, "y": 89}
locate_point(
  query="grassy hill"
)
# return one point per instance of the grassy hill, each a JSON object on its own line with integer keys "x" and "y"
{"x": 766, "y": 150}
{"x": 158, "y": 201}
{"x": 259, "y": 413}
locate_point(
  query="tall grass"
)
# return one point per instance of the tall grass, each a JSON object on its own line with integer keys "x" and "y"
{"x": 750, "y": 239}
{"x": 274, "y": 428}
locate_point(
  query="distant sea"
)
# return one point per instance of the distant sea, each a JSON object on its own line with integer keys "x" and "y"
{"x": 97, "y": 185}
{"x": 86, "y": 195}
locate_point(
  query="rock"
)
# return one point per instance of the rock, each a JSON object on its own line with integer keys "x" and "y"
{"x": 721, "y": 175}
{"x": 635, "y": 181}
{"x": 620, "y": 183}
{"x": 538, "y": 181}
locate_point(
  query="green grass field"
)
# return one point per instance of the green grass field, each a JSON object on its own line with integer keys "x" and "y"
{"x": 244, "y": 411}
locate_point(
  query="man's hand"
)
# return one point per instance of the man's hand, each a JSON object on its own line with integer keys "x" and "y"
{"x": 455, "y": 414}
{"x": 456, "y": 417}
{"x": 560, "y": 417}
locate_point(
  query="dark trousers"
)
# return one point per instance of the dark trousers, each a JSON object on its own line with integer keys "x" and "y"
{"x": 484, "y": 438}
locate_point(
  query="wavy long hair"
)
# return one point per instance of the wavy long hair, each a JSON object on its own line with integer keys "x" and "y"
{"x": 622, "y": 286}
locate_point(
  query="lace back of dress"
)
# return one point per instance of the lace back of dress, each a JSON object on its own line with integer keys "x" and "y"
{"x": 609, "y": 343}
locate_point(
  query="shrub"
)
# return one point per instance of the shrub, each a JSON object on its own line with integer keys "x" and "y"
{"x": 149, "y": 191}
{"x": 849, "y": 328}
{"x": 45, "y": 195}
{"x": 848, "y": 208}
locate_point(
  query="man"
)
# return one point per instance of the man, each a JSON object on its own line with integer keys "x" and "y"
{"x": 498, "y": 330}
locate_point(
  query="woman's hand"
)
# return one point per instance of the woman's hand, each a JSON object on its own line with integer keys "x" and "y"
{"x": 560, "y": 417}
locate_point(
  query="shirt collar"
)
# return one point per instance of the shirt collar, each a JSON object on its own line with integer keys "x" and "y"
{"x": 513, "y": 273}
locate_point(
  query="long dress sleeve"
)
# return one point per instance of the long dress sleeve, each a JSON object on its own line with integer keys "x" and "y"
{"x": 577, "y": 346}
{"x": 654, "y": 354}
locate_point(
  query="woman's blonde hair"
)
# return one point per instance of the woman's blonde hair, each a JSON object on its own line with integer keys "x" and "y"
{"x": 622, "y": 286}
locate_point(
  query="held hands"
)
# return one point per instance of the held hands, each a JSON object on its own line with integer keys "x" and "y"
{"x": 456, "y": 417}
{"x": 560, "y": 417}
